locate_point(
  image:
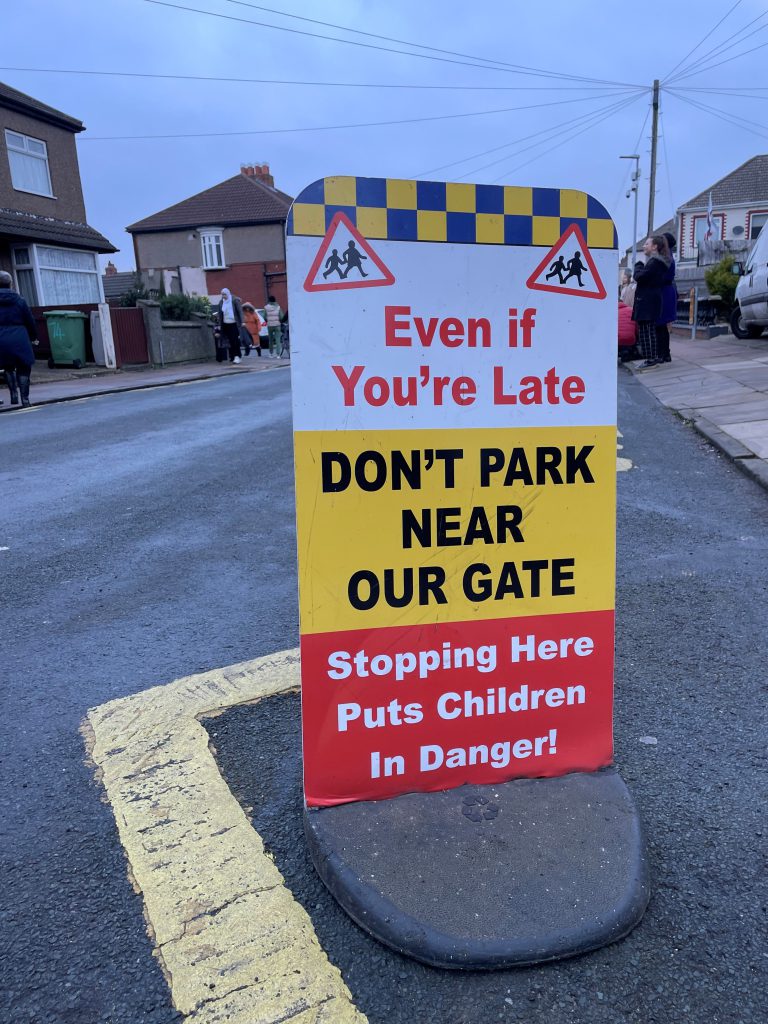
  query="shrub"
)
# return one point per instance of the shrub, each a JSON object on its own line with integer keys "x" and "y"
{"x": 722, "y": 281}
{"x": 132, "y": 297}
{"x": 182, "y": 307}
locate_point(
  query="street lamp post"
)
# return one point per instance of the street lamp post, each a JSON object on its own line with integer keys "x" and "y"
{"x": 634, "y": 188}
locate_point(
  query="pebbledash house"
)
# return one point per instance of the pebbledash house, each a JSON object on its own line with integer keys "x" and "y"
{"x": 45, "y": 242}
{"x": 229, "y": 236}
{"x": 738, "y": 207}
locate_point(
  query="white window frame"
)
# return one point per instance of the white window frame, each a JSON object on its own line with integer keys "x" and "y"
{"x": 752, "y": 215}
{"x": 213, "y": 237}
{"x": 37, "y": 265}
{"x": 700, "y": 227}
{"x": 31, "y": 264}
{"x": 12, "y": 148}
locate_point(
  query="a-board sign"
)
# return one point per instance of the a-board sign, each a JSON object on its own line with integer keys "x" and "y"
{"x": 454, "y": 400}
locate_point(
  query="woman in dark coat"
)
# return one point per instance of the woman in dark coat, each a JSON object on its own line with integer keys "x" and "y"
{"x": 668, "y": 305}
{"x": 650, "y": 278}
{"x": 229, "y": 313}
{"x": 17, "y": 331}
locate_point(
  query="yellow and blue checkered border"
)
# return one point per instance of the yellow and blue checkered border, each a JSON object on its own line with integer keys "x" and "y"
{"x": 439, "y": 211}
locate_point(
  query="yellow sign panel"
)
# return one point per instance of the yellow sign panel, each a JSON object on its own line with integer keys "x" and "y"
{"x": 448, "y": 525}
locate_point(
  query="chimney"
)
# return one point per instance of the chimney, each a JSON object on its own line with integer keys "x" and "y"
{"x": 110, "y": 269}
{"x": 260, "y": 171}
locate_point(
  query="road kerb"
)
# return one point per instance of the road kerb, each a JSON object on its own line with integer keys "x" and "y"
{"x": 233, "y": 942}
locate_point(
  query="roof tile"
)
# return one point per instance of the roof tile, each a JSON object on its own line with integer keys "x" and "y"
{"x": 238, "y": 200}
{"x": 747, "y": 184}
{"x": 52, "y": 230}
{"x": 16, "y": 100}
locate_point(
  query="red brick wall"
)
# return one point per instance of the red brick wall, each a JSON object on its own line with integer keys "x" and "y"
{"x": 247, "y": 280}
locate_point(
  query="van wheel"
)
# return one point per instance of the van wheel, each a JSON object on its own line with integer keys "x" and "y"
{"x": 741, "y": 328}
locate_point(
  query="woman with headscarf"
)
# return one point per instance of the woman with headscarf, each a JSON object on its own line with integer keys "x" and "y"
{"x": 17, "y": 335}
{"x": 230, "y": 316}
{"x": 668, "y": 304}
{"x": 650, "y": 278}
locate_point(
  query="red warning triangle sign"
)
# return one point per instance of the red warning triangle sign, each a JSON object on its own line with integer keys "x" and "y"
{"x": 568, "y": 268}
{"x": 345, "y": 260}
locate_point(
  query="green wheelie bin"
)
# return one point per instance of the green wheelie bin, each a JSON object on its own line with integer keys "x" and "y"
{"x": 66, "y": 331}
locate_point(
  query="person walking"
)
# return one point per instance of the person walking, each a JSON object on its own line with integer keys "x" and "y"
{"x": 650, "y": 278}
{"x": 668, "y": 304}
{"x": 17, "y": 335}
{"x": 230, "y": 316}
{"x": 274, "y": 315}
{"x": 253, "y": 323}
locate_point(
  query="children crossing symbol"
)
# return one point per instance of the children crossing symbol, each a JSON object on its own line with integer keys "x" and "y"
{"x": 346, "y": 260}
{"x": 568, "y": 268}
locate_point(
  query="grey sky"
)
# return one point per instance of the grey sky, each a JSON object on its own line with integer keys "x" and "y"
{"x": 127, "y": 180}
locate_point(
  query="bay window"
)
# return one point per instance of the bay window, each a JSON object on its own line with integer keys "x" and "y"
{"x": 50, "y": 276}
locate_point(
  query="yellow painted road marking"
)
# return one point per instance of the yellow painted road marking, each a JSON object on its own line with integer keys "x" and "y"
{"x": 233, "y": 942}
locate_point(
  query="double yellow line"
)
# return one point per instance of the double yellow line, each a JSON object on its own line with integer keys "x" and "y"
{"x": 234, "y": 944}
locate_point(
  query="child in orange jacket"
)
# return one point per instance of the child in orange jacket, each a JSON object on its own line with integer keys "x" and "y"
{"x": 253, "y": 323}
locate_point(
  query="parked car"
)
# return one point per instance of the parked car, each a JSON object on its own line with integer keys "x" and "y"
{"x": 750, "y": 315}
{"x": 627, "y": 334}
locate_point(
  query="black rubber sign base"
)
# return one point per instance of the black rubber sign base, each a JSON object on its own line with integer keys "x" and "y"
{"x": 489, "y": 876}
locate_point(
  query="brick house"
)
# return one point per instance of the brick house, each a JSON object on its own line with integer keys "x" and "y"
{"x": 45, "y": 242}
{"x": 231, "y": 235}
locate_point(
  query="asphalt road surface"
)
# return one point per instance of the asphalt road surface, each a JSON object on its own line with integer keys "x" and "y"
{"x": 690, "y": 740}
{"x": 150, "y": 535}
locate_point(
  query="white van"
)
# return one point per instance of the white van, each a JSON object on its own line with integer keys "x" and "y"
{"x": 750, "y": 316}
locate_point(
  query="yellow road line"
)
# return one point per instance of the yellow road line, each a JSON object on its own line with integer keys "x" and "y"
{"x": 234, "y": 944}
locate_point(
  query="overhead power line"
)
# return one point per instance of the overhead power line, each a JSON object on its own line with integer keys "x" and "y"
{"x": 735, "y": 94}
{"x": 721, "y": 88}
{"x": 487, "y": 65}
{"x": 555, "y": 131}
{"x": 724, "y": 115}
{"x": 709, "y": 67}
{"x": 739, "y": 36}
{"x": 504, "y": 145}
{"x": 513, "y": 170}
{"x": 633, "y": 149}
{"x": 407, "y": 42}
{"x": 290, "y": 81}
{"x": 703, "y": 40}
{"x": 329, "y": 128}
{"x": 666, "y": 162}
{"x": 507, "y": 145}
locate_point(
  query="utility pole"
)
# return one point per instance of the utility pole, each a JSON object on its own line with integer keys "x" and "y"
{"x": 654, "y": 143}
{"x": 634, "y": 188}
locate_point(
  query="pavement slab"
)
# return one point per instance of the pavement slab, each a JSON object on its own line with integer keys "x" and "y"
{"x": 50, "y": 386}
{"x": 753, "y": 435}
{"x": 721, "y": 386}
